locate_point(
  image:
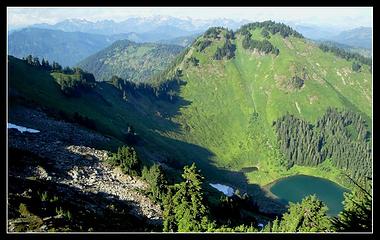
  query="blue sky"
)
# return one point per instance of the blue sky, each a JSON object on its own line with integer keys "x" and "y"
{"x": 342, "y": 17}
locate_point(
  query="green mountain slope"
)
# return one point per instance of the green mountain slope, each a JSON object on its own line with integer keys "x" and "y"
{"x": 234, "y": 102}
{"x": 135, "y": 62}
{"x": 223, "y": 114}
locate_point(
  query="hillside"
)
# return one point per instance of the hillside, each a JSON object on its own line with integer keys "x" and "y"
{"x": 235, "y": 101}
{"x": 222, "y": 104}
{"x": 135, "y": 62}
{"x": 362, "y": 51}
{"x": 357, "y": 37}
{"x": 67, "y": 48}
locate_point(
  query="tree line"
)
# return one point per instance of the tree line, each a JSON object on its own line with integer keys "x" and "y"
{"x": 166, "y": 90}
{"x": 226, "y": 51}
{"x": 271, "y": 27}
{"x": 262, "y": 46}
{"x": 347, "y": 55}
{"x": 44, "y": 64}
{"x": 72, "y": 81}
{"x": 215, "y": 33}
{"x": 342, "y": 136}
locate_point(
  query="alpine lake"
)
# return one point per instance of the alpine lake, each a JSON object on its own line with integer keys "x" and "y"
{"x": 294, "y": 188}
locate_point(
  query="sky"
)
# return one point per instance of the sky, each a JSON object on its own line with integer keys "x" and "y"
{"x": 342, "y": 17}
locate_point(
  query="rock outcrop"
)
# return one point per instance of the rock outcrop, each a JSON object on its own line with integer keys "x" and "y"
{"x": 72, "y": 161}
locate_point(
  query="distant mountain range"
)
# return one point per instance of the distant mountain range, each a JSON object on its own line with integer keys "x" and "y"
{"x": 362, "y": 51}
{"x": 315, "y": 32}
{"x": 67, "y": 48}
{"x": 358, "y": 37}
{"x": 72, "y": 40}
{"x": 181, "y": 41}
{"x": 171, "y": 26}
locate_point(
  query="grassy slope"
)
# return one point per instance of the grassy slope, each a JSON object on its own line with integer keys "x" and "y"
{"x": 104, "y": 104}
{"x": 215, "y": 127}
{"x": 224, "y": 95}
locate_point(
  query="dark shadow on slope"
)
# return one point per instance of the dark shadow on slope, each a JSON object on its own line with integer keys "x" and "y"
{"x": 88, "y": 211}
{"x": 49, "y": 148}
{"x": 151, "y": 118}
{"x": 176, "y": 154}
{"x": 158, "y": 147}
{"x": 99, "y": 211}
{"x": 182, "y": 153}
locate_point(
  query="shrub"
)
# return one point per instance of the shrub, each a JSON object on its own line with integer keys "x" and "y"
{"x": 356, "y": 66}
{"x": 227, "y": 50}
{"x": 23, "y": 210}
{"x": 156, "y": 179}
{"x": 265, "y": 33}
{"x": 43, "y": 196}
{"x": 127, "y": 159}
{"x": 193, "y": 60}
{"x": 203, "y": 44}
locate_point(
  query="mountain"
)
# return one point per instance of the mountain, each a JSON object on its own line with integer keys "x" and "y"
{"x": 136, "y": 62}
{"x": 262, "y": 98}
{"x": 180, "y": 41}
{"x": 174, "y": 27}
{"x": 357, "y": 37}
{"x": 315, "y": 32}
{"x": 239, "y": 88}
{"x": 68, "y": 48}
{"x": 363, "y": 51}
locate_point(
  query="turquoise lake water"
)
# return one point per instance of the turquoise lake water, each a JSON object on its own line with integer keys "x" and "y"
{"x": 294, "y": 188}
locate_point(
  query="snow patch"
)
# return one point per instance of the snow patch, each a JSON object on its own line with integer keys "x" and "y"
{"x": 228, "y": 191}
{"x": 21, "y": 128}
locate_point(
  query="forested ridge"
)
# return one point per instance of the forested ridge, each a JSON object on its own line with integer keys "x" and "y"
{"x": 272, "y": 27}
{"x": 72, "y": 81}
{"x": 342, "y": 136}
{"x": 345, "y": 54}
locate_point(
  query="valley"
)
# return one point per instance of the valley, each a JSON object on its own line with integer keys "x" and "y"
{"x": 226, "y": 115}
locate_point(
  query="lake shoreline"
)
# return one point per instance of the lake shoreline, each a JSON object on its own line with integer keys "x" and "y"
{"x": 295, "y": 188}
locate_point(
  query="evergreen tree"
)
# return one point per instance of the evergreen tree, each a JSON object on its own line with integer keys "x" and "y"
{"x": 357, "y": 213}
{"x": 307, "y": 216}
{"x": 187, "y": 204}
{"x": 127, "y": 159}
{"x": 356, "y": 66}
{"x": 168, "y": 214}
{"x": 341, "y": 136}
{"x": 56, "y": 67}
{"x": 36, "y": 62}
{"x": 29, "y": 59}
{"x": 156, "y": 179}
